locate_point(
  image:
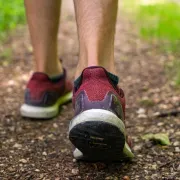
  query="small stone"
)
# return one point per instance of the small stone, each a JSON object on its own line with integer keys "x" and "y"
{"x": 11, "y": 169}
{"x": 64, "y": 150}
{"x": 57, "y": 178}
{"x": 75, "y": 171}
{"x": 160, "y": 124}
{"x": 141, "y": 111}
{"x": 154, "y": 176}
{"x": 44, "y": 153}
{"x": 11, "y": 82}
{"x": 74, "y": 160}
{"x": 126, "y": 178}
{"x": 156, "y": 114}
{"x": 55, "y": 125}
{"x": 178, "y": 168}
{"x": 142, "y": 116}
{"x": 170, "y": 154}
{"x": 140, "y": 128}
{"x": 41, "y": 138}
{"x": 57, "y": 165}
{"x": 149, "y": 157}
{"x": 23, "y": 161}
{"x": 176, "y": 143}
{"x": 139, "y": 155}
{"x": 37, "y": 170}
{"x": 154, "y": 166}
{"x": 177, "y": 149}
{"x": 177, "y": 133}
{"x": 41, "y": 176}
{"x": 137, "y": 147}
{"x": 16, "y": 145}
{"x": 109, "y": 178}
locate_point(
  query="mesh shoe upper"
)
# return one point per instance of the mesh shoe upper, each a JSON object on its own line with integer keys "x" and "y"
{"x": 42, "y": 91}
{"x": 97, "y": 89}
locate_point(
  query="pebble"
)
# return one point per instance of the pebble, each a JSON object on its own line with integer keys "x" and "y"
{"x": 44, "y": 153}
{"x": 57, "y": 165}
{"x": 170, "y": 153}
{"x": 11, "y": 82}
{"x": 141, "y": 111}
{"x": 75, "y": 171}
{"x": 109, "y": 178}
{"x": 74, "y": 160}
{"x": 154, "y": 176}
{"x": 142, "y": 116}
{"x": 55, "y": 125}
{"x": 176, "y": 143}
{"x": 160, "y": 124}
{"x": 178, "y": 168}
{"x": 37, "y": 170}
{"x": 16, "y": 145}
{"x": 126, "y": 178}
{"x": 154, "y": 166}
{"x": 11, "y": 169}
{"x": 23, "y": 161}
{"x": 177, "y": 149}
{"x": 57, "y": 178}
{"x": 137, "y": 147}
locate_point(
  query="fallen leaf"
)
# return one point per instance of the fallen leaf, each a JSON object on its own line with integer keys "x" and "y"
{"x": 160, "y": 138}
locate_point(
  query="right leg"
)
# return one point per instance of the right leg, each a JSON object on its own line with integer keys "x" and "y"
{"x": 43, "y": 21}
{"x": 97, "y": 130}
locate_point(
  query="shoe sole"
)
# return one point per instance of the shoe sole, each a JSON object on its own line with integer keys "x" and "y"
{"x": 100, "y": 136}
{"x": 44, "y": 112}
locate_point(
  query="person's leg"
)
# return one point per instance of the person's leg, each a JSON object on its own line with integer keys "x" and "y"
{"x": 96, "y": 21}
{"x": 48, "y": 88}
{"x": 43, "y": 21}
{"x": 98, "y": 127}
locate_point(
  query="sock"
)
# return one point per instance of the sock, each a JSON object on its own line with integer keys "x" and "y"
{"x": 57, "y": 78}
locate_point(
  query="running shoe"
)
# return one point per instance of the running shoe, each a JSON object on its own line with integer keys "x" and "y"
{"x": 44, "y": 96}
{"x": 98, "y": 127}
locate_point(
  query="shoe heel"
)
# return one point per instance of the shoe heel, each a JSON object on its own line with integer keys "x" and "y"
{"x": 99, "y": 138}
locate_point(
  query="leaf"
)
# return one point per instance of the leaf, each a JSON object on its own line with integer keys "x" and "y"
{"x": 160, "y": 138}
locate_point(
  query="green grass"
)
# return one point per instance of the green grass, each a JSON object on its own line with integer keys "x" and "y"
{"x": 160, "y": 23}
{"x": 11, "y": 15}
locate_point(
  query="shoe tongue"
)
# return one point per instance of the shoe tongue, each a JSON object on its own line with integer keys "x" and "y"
{"x": 96, "y": 73}
{"x": 40, "y": 76}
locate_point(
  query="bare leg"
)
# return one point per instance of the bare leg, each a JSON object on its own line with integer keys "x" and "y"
{"x": 96, "y": 21}
{"x": 43, "y": 21}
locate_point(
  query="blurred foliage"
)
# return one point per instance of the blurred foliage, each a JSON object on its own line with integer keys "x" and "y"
{"x": 161, "y": 21}
{"x": 11, "y": 14}
{"x": 158, "y": 22}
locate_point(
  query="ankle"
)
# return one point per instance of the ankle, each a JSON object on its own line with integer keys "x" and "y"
{"x": 52, "y": 69}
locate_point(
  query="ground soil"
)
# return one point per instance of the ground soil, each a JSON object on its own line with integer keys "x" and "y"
{"x": 32, "y": 150}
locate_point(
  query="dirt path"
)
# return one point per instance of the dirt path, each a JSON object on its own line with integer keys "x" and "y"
{"x": 41, "y": 150}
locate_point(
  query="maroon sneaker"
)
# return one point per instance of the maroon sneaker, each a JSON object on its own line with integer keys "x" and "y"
{"x": 97, "y": 130}
{"x": 43, "y": 96}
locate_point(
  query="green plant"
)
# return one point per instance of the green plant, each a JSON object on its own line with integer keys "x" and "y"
{"x": 11, "y": 14}
{"x": 159, "y": 22}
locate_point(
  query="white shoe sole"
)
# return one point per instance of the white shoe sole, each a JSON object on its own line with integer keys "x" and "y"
{"x": 99, "y": 135}
{"x": 44, "y": 112}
